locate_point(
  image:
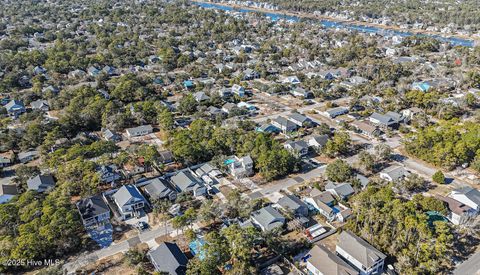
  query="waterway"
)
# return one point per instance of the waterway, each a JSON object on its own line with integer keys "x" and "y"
{"x": 455, "y": 41}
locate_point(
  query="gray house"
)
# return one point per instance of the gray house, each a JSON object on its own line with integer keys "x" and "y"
{"x": 167, "y": 258}
{"x": 300, "y": 120}
{"x": 323, "y": 261}
{"x": 341, "y": 190}
{"x": 129, "y": 201}
{"x": 394, "y": 173}
{"x": 40, "y": 104}
{"x": 139, "y": 131}
{"x": 15, "y": 108}
{"x": 41, "y": 183}
{"x": 292, "y": 203}
{"x": 285, "y": 125}
{"x": 93, "y": 211}
{"x": 360, "y": 254}
{"x": 268, "y": 218}
{"x": 298, "y": 147}
{"x": 158, "y": 188}
{"x": 27, "y": 156}
{"x": 186, "y": 181}
{"x": 334, "y": 112}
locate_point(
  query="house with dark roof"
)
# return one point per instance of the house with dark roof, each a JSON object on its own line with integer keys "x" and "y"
{"x": 129, "y": 201}
{"x": 459, "y": 213}
{"x": 6, "y": 158}
{"x": 186, "y": 181}
{"x": 297, "y": 147}
{"x": 108, "y": 173}
{"x": 323, "y": 261}
{"x": 366, "y": 129}
{"x": 300, "y": 120}
{"x": 323, "y": 203}
{"x": 268, "y": 218}
{"x": 285, "y": 125}
{"x": 167, "y": 258}
{"x": 93, "y": 211}
{"x": 158, "y": 188}
{"x": 294, "y": 204}
{"x": 7, "y": 192}
{"x": 110, "y": 135}
{"x": 389, "y": 119}
{"x": 360, "y": 254}
{"x": 166, "y": 157}
{"x": 467, "y": 195}
{"x": 318, "y": 142}
{"x": 15, "y": 108}
{"x": 27, "y": 156}
{"x": 41, "y": 183}
{"x": 40, "y": 104}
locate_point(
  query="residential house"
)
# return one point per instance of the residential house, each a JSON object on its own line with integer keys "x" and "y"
{"x": 238, "y": 90}
{"x": 318, "y": 142}
{"x": 28, "y": 156}
{"x": 167, "y": 258}
{"x": 6, "y": 158}
{"x": 250, "y": 74}
{"x": 334, "y": 112}
{"x": 93, "y": 72}
{"x": 423, "y": 86}
{"x": 108, "y": 173}
{"x": 291, "y": 80}
{"x": 322, "y": 261}
{"x": 110, "y": 135}
{"x": 294, "y": 204}
{"x": 201, "y": 97}
{"x": 301, "y": 93}
{"x": 7, "y": 192}
{"x": 158, "y": 188}
{"x": 139, "y": 131}
{"x": 186, "y": 181}
{"x": 166, "y": 157}
{"x": 360, "y": 254}
{"x": 240, "y": 167}
{"x": 300, "y": 120}
{"x": 268, "y": 218}
{"x": 228, "y": 107}
{"x": 341, "y": 190}
{"x": 323, "y": 203}
{"x": 188, "y": 84}
{"x": 93, "y": 211}
{"x": 394, "y": 173}
{"x": 41, "y": 183}
{"x": 129, "y": 201}
{"x": 285, "y": 125}
{"x": 390, "y": 119}
{"x": 366, "y": 129}
{"x": 208, "y": 173}
{"x": 298, "y": 147}
{"x": 15, "y": 108}
{"x": 467, "y": 195}
{"x": 459, "y": 213}
{"x": 40, "y": 104}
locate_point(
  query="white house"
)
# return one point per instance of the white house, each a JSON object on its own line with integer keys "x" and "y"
{"x": 394, "y": 173}
{"x": 468, "y": 196}
{"x": 129, "y": 201}
{"x": 139, "y": 131}
{"x": 360, "y": 254}
{"x": 323, "y": 261}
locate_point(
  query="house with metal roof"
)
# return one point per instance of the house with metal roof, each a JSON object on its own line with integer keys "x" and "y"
{"x": 41, "y": 183}
{"x": 15, "y": 108}
{"x": 7, "y": 192}
{"x": 322, "y": 261}
{"x": 186, "y": 181}
{"x": 360, "y": 254}
{"x": 157, "y": 188}
{"x": 139, "y": 131}
{"x": 294, "y": 204}
{"x": 167, "y": 258}
{"x": 93, "y": 211}
{"x": 129, "y": 201}
{"x": 268, "y": 218}
{"x": 341, "y": 190}
{"x": 394, "y": 173}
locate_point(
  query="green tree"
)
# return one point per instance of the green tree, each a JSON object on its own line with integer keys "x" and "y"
{"x": 438, "y": 177}
{"x": 338, "y": 171}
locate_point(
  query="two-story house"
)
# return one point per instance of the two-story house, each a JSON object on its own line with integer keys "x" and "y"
{"x": 129, "y": 201}
{"x": 93, "y": 211}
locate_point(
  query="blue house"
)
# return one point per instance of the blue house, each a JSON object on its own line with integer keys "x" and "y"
{"x": 421, "y": 86}
{"x": 188, "y": 84}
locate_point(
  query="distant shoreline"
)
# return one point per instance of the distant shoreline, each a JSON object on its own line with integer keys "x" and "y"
{"x": 349, "y": 22}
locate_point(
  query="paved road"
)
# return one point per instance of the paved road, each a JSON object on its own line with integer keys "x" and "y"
{"x": 296, "y": 179}
{"x": 113, "y": 249}
{"x": 470, "y": 266}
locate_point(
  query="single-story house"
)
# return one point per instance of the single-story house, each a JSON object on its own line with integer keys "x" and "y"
{"x": 268, "y": 218}
{"x": 167, "y": 258}
{"x": 15, "y": 108}
{"x": 7, "y": 192}
{"x": 394, "y": 173}
{"x": 334, "y": 112}
{"x": 41, "y": 183}
{"x": 139, "y": 131}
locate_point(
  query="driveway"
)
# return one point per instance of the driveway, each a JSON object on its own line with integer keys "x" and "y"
{"x": 121, "y": 247}
{"x": 470, "y": 266}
